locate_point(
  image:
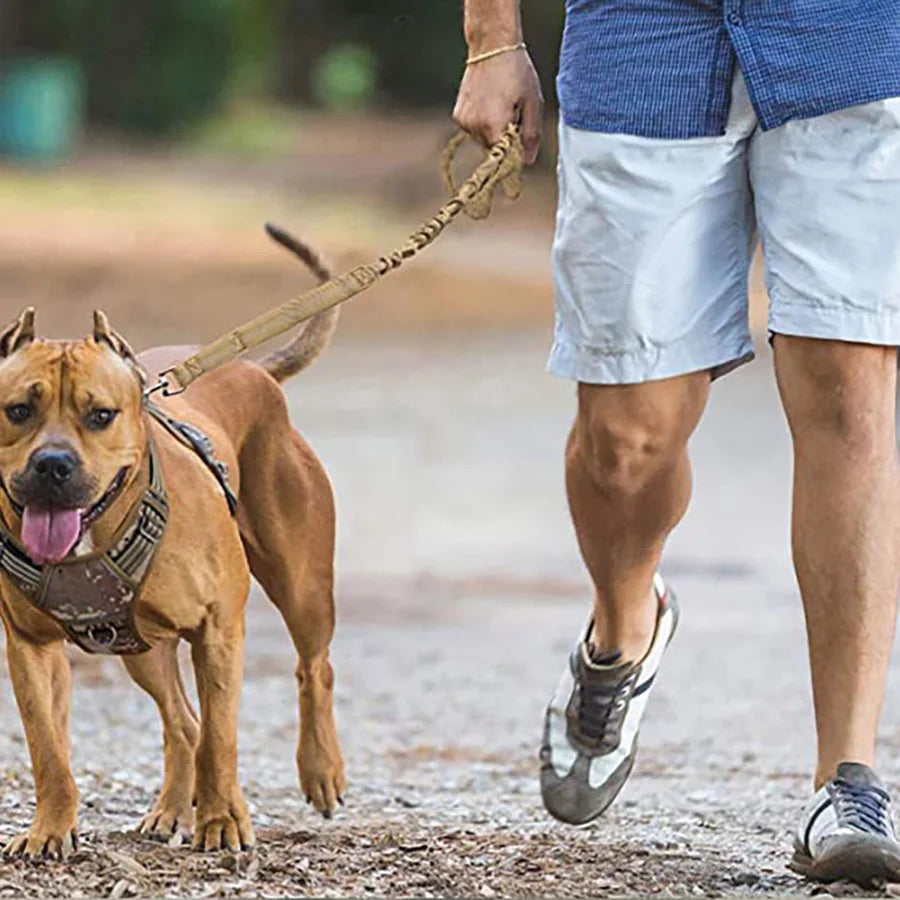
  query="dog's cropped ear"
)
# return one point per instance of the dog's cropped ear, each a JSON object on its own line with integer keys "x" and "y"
{"x": 104, "y": 334}
{"x": 17, "y": 334}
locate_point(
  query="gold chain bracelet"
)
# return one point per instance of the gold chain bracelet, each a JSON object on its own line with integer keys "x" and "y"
{"x": 509, "y": 48}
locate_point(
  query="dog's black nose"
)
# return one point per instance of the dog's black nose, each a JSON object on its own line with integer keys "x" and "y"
{"x": 54, "y": 464}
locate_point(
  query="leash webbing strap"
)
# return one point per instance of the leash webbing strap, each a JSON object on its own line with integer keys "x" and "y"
{"x": 502, "y": 166}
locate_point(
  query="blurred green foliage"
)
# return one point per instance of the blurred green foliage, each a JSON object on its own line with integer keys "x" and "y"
{"x": 344, "y": 77}
{"x": 418, "y": 44}
{"x": 159, "y": 66}
{"x": 151, "y": 65}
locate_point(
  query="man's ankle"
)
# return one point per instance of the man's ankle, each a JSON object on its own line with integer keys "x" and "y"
{"x": 827, "y": 769}
{"x": 618, "y": 643}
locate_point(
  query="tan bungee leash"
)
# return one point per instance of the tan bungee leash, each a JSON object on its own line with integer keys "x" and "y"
{"x": 502, "y": 166}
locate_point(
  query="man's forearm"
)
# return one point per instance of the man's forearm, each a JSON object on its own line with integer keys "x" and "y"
{"x": 492, "y": 23}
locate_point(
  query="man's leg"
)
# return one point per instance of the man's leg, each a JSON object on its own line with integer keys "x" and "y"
{"x": 629, "y": 482}
{"x": 839, "y": 399}
{"x": 840, "y": 403}
{"x": 652, "y": 250}
{"x": 827, "y": 190}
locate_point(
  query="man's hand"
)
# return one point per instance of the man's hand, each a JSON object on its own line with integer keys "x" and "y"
{"x": 497, "y": 91}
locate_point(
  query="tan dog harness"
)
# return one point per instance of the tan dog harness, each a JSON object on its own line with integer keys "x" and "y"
{"x": 92, "y": 597}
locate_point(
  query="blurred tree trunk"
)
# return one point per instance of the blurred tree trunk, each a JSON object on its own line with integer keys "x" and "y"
{"x": 9, "y": 26}
{"x": 542, "y": 22}
{"x": 307, "y": 28}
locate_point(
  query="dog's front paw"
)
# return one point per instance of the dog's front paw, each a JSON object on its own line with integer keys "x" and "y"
{"x": 168, "y": 819}
{"x": 322, "y": 779}
{"x": 43, "y": 842}
{"x": 229, "y": 829}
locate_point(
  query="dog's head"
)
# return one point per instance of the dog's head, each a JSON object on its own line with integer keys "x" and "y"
{"x": 71, "y": 430}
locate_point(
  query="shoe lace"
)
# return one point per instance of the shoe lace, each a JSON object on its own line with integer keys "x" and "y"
{"x": 865, "y": 808}
{"x": 600, "y": 708}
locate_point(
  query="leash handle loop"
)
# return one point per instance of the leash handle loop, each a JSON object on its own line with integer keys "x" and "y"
{"x": 506, "y": 154}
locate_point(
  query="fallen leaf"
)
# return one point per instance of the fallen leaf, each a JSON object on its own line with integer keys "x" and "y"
{"x": 119, "y": 889}
{"x": 129, "y": 863}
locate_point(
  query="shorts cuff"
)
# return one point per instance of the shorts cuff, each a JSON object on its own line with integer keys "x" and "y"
{"x": 593, "y": 365}
{"x": 795, "y": 315}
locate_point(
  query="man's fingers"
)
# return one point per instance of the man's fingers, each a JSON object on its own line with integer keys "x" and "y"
{"x": 494, "y": 122}
{"x": 531, "y": 128}
{"x": 486, "y": 130}
{"x": 494, "y": 129}
{"x": 480, "y": 132}
{"x": 472, "y": 125}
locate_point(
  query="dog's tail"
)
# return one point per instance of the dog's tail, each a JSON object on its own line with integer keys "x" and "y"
{"x": 316, "y": 333}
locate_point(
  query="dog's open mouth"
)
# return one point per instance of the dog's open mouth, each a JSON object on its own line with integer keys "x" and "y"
{"x": 50, "y": 535}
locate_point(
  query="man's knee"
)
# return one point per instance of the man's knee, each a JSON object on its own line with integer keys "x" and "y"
{"x": 622, "y": 457}
{"x": 625, "y": 436}
{"x": 841, "y": 391}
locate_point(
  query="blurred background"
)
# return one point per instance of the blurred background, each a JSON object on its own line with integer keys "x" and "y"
{"x": 142, "y": 145}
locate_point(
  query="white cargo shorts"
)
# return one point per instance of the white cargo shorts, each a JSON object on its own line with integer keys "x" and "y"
{"x": 654, "y": 240}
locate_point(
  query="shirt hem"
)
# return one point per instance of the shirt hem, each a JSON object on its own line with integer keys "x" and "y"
{"x": 768, "y": 119}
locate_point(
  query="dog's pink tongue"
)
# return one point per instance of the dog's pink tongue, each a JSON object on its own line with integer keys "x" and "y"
{"x": 49, "y": 536}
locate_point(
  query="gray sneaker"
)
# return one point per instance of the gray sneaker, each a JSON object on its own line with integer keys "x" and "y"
{"x": 591, "y": 725}
{"x": 847, "y": 831}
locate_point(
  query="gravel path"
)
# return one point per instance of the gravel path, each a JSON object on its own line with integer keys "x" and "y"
{"x": 459, "y": 594}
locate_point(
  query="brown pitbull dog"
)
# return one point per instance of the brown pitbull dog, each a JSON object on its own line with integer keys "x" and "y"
{"x": 73, "y": 426}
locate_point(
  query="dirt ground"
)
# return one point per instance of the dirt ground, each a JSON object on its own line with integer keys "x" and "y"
{"x": 460, "y": 589}
{"x": 459, "y": 594}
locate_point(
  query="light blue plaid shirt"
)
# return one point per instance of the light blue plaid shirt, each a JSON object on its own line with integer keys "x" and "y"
{"x": 663, "y": 68}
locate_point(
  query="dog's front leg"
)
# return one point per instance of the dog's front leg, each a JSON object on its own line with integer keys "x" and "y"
{"x": 222, "y": 820}
{"x": 42, "y": 684}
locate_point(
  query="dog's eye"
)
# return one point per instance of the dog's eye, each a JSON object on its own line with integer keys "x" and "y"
{"x": 18, "y": 413}
{"x": 98, "y": 419}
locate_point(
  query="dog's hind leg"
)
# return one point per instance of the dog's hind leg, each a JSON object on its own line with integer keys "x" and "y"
{"x": 287, "y": 522}
{"x": 157, "y": 672}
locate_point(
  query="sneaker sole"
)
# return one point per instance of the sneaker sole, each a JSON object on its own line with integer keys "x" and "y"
{"x": 566, "y": 818}
{"x": 864, "y": 860}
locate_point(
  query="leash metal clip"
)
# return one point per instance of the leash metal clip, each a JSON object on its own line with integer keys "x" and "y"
{"x": 164, "y": 386}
